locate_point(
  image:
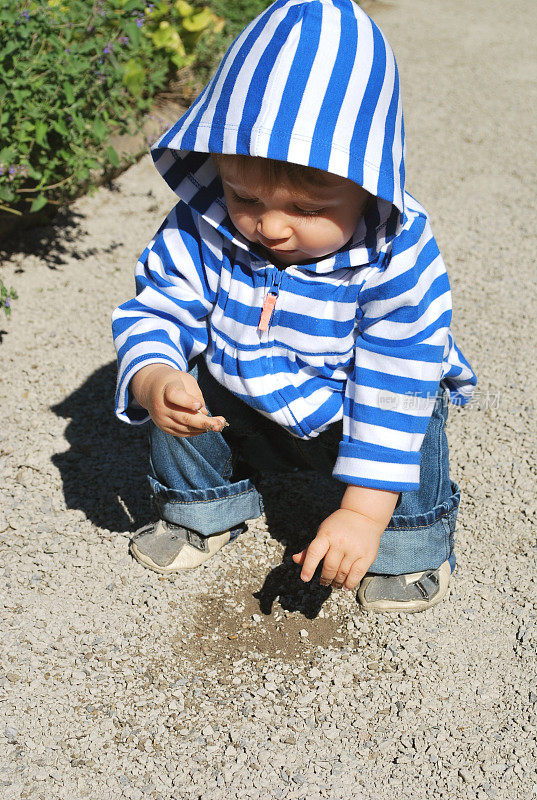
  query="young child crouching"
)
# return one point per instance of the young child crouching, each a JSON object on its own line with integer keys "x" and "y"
{"x": 293, "y": 310}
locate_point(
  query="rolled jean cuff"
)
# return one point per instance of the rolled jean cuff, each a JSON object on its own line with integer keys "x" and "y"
{"x": 419, "y": 542}
{"x": 208, "y": 511}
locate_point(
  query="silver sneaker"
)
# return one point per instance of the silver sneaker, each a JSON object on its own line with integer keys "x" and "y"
{"x": 165, "y": 547}
{"x": 415, "y": 591}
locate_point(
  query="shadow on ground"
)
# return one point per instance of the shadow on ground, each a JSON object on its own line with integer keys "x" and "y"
{"x": 295, "y": 506}
{"x": 104, "y": 471}
{"x": 55, "y": 243}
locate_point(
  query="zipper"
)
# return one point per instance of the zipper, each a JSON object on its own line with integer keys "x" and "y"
{"x": 270, "y": 300}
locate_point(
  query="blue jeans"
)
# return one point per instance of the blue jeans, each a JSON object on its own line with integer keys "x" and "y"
{"x": 208, "y": 482}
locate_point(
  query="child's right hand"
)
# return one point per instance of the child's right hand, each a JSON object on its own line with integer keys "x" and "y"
{"x": 174, "y": 401}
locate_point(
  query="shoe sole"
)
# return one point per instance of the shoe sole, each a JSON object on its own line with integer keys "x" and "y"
{"x": 197, "y": 558}
{"x": 410, "y": 606}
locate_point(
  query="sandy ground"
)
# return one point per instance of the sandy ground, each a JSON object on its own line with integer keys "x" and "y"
{"x": 234, "y": 681}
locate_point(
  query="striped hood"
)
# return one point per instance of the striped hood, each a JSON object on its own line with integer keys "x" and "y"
{"x": 313, "y": 82}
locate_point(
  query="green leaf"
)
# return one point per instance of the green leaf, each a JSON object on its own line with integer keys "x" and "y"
{"x": 179, "y": 60}
{"x": 7, "y": 154}
{"x": 112, "y": 156}
{"x": 99, "y": 129}
{"x": 200, "y": 21}
{"x": 41, "y": 132}
{"x": 167, "y": 38}
{"x": 6, "y": 193}
{"x": 8, "y": 48}
{"x": 69, "y": 93}
{"x": 20, "y": 95}
{"x": 60, "y": 127}
{"x": 34, "y": 173}
{"x": 160, "y": 10}
{"x": 80, "y": 123}
{"x": 134, "y": 34}
{"x": 134, "y": 76}
{"x": 38, "y": 203}
{"x": 184, "y": 9}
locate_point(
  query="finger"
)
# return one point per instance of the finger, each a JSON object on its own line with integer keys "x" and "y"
{"x": 356, "y": 573}
{"x": 185, "y": 432}
{"x": 199, "y": 422}
{"x": 173, "y": 429}
{"x": 315, "y": 552}
{"x": 330, "y": 566}
{"x": 176, "y": 396}
{"x": 190, "y": 434}
{"x": 190, "y": 385}
{"x": 343, "y": 571}
{"x": 298, "y": 558}
{"x": 189, "y": 424}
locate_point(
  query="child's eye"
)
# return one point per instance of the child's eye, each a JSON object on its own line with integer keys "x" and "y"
{"x": 310, "y": 212}
{"x": 247, "y": 200}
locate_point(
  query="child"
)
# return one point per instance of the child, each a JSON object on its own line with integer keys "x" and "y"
{"x": 297, "y": 294}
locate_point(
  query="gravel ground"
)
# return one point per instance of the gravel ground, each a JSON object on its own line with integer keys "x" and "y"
{"x": 235, "y": 681}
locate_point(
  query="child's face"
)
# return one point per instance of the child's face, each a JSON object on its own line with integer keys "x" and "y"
{"x": 294, "y": 225}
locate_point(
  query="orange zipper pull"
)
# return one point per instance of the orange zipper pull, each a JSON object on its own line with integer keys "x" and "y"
{"x": 266, "y": 311}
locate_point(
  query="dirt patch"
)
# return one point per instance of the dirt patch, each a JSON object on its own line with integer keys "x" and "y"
{"x": 232, "y": 627}
{"x": 257, "y": 605}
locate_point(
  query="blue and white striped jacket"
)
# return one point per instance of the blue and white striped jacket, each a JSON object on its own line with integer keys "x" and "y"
{"x": 363, "y": 334}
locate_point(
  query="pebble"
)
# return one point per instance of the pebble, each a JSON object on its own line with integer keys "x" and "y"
{"x": 465, "y": 774}
{"x": 11, "y": 733}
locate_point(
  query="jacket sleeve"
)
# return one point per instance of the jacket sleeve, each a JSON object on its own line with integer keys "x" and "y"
{"x": 403, "y": 335}
{"x": 166, "y": 322}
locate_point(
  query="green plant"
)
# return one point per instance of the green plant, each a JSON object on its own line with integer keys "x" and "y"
{"x": 73, "y": 73}
{"x": 6, "y": 296}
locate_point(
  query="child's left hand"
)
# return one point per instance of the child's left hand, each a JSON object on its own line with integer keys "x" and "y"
{"x": 348, "y": 540}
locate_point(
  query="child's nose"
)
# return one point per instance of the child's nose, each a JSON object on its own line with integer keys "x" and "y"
{"x": 274, "y": 225}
